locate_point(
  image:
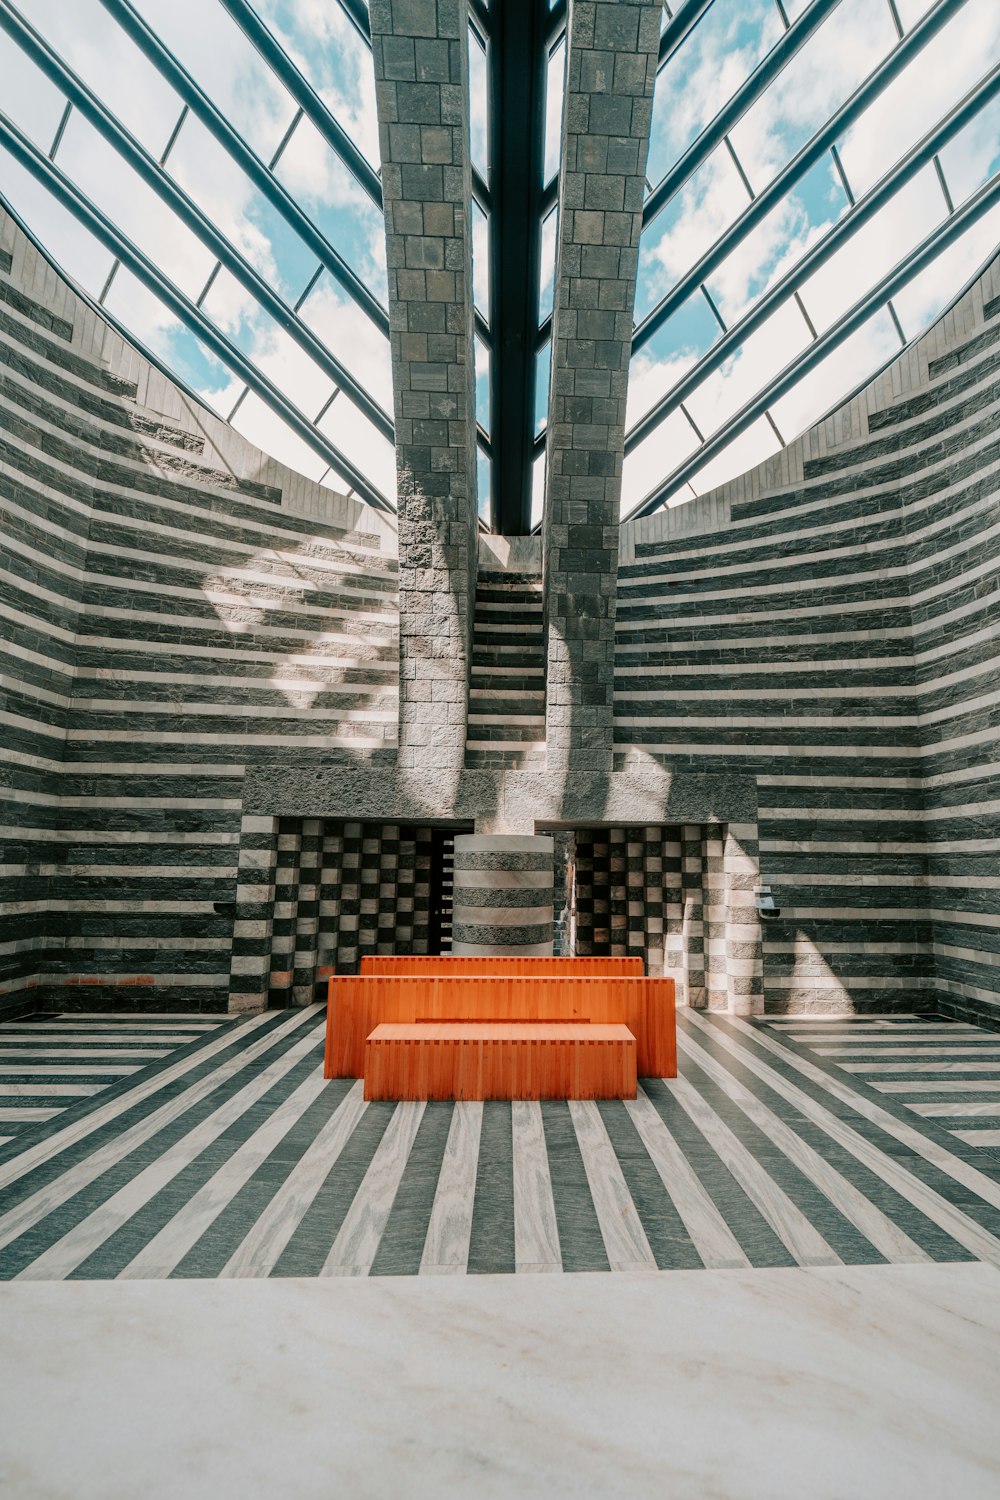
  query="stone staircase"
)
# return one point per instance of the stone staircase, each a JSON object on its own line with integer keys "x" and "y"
{"x": 507, "y": 693}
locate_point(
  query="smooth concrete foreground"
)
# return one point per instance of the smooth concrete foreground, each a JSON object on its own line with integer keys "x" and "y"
{"x": 877, "y": 1382}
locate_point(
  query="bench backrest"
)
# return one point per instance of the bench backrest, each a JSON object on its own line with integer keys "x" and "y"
{"x": 359, "y": 1003}
{"x": 446, "y": 963}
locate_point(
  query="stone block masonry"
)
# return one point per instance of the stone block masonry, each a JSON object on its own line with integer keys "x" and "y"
{"x": 610, "y": 72}
{"x": 420, "y": 52}
{"x": 827, "y": 625}
{"x": 175, "y": 607}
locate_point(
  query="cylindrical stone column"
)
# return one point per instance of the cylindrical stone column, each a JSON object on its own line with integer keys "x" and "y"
{"x": 503, "y": 895}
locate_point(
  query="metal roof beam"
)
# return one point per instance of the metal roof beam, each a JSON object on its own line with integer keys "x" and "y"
{"x": 170, "y": 193}
{"x": 86, "y": 213}
{"x": 866, "y": 208}
{"x": 899, "y": 58}
{"x": 518, "y": 54}
{"x": 901, "y": 275}
{"x": 200, "y": 105}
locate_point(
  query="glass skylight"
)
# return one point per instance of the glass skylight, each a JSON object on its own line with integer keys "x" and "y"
{"x": 767, "y": 226}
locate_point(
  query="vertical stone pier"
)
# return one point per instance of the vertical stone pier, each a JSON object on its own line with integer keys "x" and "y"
{"x": 420, "y": 53}
{"x": 503, "y": 895}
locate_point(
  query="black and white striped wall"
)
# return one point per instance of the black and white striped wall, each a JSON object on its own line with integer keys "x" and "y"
{"x": 828, "y": 623}
{"x": 175, "y": 607}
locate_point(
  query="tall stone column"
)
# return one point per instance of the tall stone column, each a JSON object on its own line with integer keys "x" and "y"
{"x": 610, "y": 71}
{"x": 502, "y": 895}
{"x": 420, "y": 51}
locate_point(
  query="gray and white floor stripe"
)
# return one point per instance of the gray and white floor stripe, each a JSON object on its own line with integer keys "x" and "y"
{"x": 49, "y": 1063}
{"x": 782, "y": 1142}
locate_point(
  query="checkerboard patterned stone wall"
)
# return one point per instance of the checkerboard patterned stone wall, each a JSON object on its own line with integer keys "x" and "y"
{"x": 420, "y": 52}
{"x": 341, "y": 890}
{"x": 610, "y": 70}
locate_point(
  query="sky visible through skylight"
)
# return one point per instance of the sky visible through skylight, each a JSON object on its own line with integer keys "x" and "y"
{"x": 715, "y": 60}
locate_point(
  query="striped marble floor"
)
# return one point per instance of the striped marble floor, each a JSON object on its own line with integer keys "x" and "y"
{"x": 50, "y": 1063}
{"x": 778, "y": 1145}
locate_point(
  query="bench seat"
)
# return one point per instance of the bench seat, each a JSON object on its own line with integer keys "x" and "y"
{"x": 500, "y": 1060}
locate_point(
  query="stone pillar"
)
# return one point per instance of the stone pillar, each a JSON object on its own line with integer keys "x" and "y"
{"x": 744, "y": 951}
{"x": 420, "y": 52}
{"x": 611, "y": 67}
{"x": 503, "y": 895}
{"x": 250, "y": 963}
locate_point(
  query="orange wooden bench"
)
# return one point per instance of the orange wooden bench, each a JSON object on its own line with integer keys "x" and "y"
{"x": 445, "y": 964}
{"x": 469, "y": 1060}
{"x": 359, "y": 1003}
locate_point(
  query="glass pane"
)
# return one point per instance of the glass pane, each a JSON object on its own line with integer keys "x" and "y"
{"x": 974, "y": 154}
{"x": 838, "y": 374}
{"x": 748, "y": 371}
{"x": 812, "y": 87}
{"x": 678, "y": 345}
{"x": 74, "y": 250}
{"x": 930, "y": 293}
{"x": 483, "y": 480}
{"x": 325, "y": 45}
{"x": 267, "y": 431}
{"x": 30, "y": 100}
{"x": 135, "y": 209}
{"x": 934, "y": 81}
{"x": 778, "y": 241}
{"x": 870, "y": 253}
{"x": 363, "y": 444}
{"x": 688, "y": 226}
{"x": 672, "y": 442}
{"x": 714, "y": 59}
{"x": 348, "y": 331}
{"x": 478, "y": 105}
{"x": 317, "y": 179}
{"x": 547, "y": 264}
{"x": 90, "y": 41}
{"x": 482, "y": 358}
{"x": 538, "y": 489}
{"x": 224, "y": 63}
{"x": 555, "y": 78}
{"x": 481, "y": 261}
{"x": 743, "y": 453}
{"x": 543, "y": 364}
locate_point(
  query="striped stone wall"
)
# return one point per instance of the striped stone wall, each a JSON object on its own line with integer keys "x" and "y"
{"x": 828, "y": 623}
{"x": 176, "y": 607}
{"x": 503, "y": 895}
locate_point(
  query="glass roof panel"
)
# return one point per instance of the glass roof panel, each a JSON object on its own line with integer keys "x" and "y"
{"x": 814, "y": 394}
{"x": 759, "y": 358}
{"x": 328, "y": 50}
{"x": 874, "y": 249}
{"x": 220, "y": 59}
{"x": 321, "y": 184}
{"x": 812, "y": 87}
{"x": 87, "y": 38}
{"x": 134, "y": 208}
{"x": 714, "y": 60}
{"x": 932, "y": 83}
{"x": 351, "y": 431}
{"x": 713, "y": 213}
{"x": 73, "y": 248}
{"x": 31, "y": 101}
{"x": 267, "y": 431}
{"x": 345, "y": 329}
